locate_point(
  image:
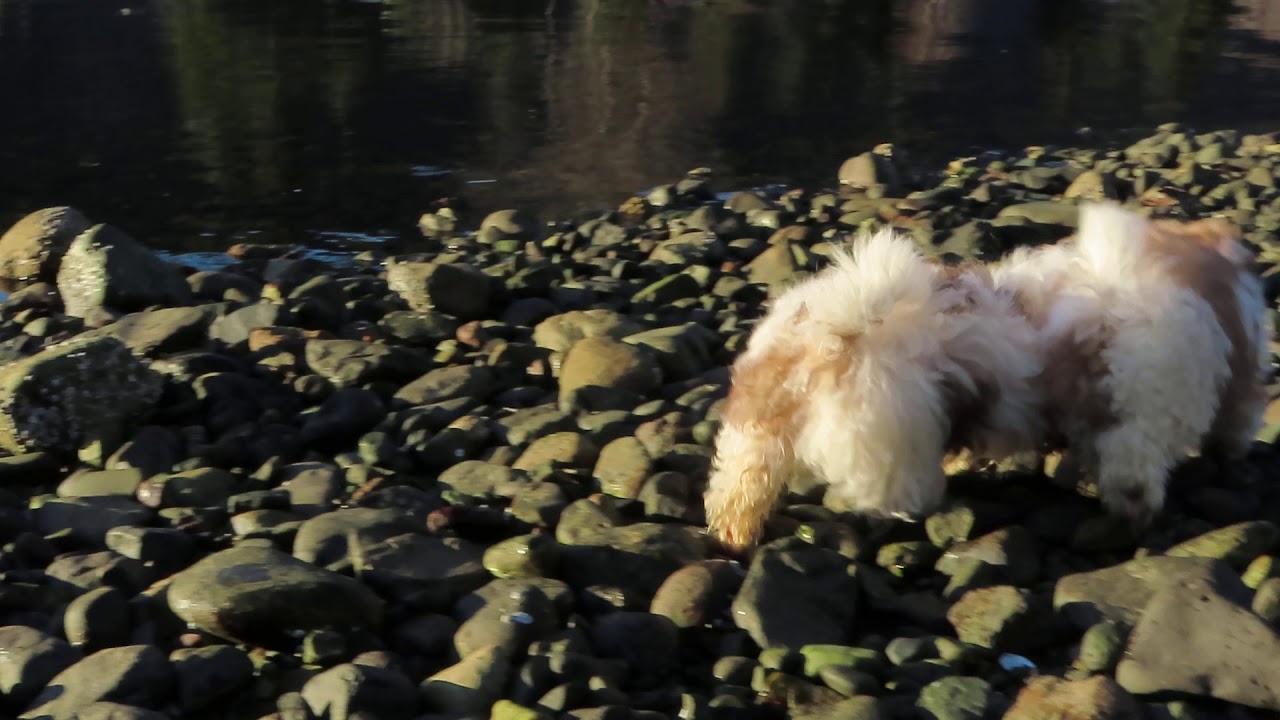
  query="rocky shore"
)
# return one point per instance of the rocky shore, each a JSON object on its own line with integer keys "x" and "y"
{"x": 464, "y": 481}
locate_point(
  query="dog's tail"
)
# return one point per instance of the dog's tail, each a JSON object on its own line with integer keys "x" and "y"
{"x": 1112, "y": 239}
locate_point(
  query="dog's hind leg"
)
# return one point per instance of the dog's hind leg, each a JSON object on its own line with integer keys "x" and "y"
{"x": 748, "y": 478}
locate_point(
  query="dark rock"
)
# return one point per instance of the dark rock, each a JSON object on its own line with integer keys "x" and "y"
{"x": 97, "y": 619}
{"x": 32, "y": 249}
{"x": 31, "y": 659}
{"x": 796, "y": 595}
{"x": 326, "y": 539}
{"x": 351, "y": 691}
{"x": 208, "y": 675}
{"x": 134, "y": 674}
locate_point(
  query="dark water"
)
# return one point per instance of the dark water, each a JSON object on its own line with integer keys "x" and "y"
{"x": 196, "y": 123}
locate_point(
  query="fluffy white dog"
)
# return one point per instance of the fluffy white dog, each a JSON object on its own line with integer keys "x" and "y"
{"x": 866, "y": 375}
{"x": 1129, "y": 345}
{"x": 1154, "y": 344}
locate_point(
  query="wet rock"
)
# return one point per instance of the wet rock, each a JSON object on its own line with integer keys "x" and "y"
{"x": 1098, "y": 698}
{"x": 32, "y": 249}
{"x": 602, "y": 362}
{"x": 458, "y": 290}
{"x": 560, "y": 332}
{"x": 46, "y": 404}
{"x": 796, "y": 595}
{"x": 31, "y": 658}
{"x": 1237, "y": 545}
{"x": 104, "y": 267}
{"x": 264, "y": 597}
{"x": 133, "y": 674}
{"x": 1193, "y": 639}
{"x": 350, "y": 691}
{"x": 1119, "y": 593}
{"x": 207, "y": 675}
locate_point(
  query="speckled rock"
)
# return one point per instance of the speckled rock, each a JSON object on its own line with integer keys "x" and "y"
{"x": 104, "y": 267}
{"x": 32, "y": 249}
{"x": 458, "y": 290}
{"x": 45, "y": 403}
{"x": 560, "y": 332}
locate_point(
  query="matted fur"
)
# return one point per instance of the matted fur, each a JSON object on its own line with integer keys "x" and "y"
{"x": 859, "y": 374}
{"x": 1153, "y": 339}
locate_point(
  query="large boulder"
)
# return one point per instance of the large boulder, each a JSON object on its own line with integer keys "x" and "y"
{"x": 62, "y": 396}
{"x": 32, "y": 249}
{"x": 104, "y": 267}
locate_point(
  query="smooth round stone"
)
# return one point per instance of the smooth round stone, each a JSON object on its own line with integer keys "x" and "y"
{"x": 97, "y": 619}
{"x": 264, "y": 597}
{"x": 208, "y": 674}
{"x": 523, "y": 556}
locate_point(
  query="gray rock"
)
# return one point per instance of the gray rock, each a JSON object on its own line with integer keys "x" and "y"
{"x": 564, "y": 448}
{"x": 478, "y": 479}
{"x": 523, "y": 615}
{"x": 234, "y": 327}
{"x": 638, "y": 557}
{"x": 351, "y": 691}
{"x": 312, "y": 486}
{"x": 166, "y": 330}
{"x": 1237, "y": 545}
{"x": 527, "y": 424}
{"x": 458, "y": 290}
{"x": 93, "y": 570}
{"x": 165, "y": 547}
{"x": 796, "y": 595}
{"x": 1192, "y": 639}
{"x": 47, "y": 404}
{"x": 263, "y": 597}
{"x": 32, "y": 249}
{"x": 346, "y": 414}
{"x": 1012, "y": 549}
{"x": 471, "y": 686}
{"x": 97, "y": 619}
{"x": 646, "y": 642}
{"x": 534, "y": 555}
{"x": 104, "y": 710}
{"x": 867, "y": 170}
{"x": 432, "y": 571}
{"x": 104, "y": 267}
{"x": 30, "y": 660}
{"x": 101, "y": 483}
{"x": 326, "y": 539}
{"x": 468, "y": 381}
{"x": 559, "y": 332}
{"x": 418, "y": 328}
{"x": 133, "y": 674}
{"x": 352, "y": 362}
{"x": 683, "y": 351}
{"x": 1002, "y": 617}
{"x": 216, "y": 285}
{"x": 201, "y": 487}
{"x": 207, "y": 675}
{"x": 1119, "y": 593}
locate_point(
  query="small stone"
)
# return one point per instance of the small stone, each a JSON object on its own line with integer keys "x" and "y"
{"x": 534, "y": 555}
{"x": 471, "y": 686}
{"x": 1101, "y": 647}
{"x": 819, "y": 657}
{"x": 622, "y": 467}
{"x": 568, "y": 448}
{"x": 1263, "y": 568}
{"x": 796, "y": 595}
{"x": 696, "y": 594}
{"x": 1266, "y": 601}
{"x": 602, "y": 362}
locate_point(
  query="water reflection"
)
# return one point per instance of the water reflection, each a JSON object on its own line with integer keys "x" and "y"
{"x": 195, "y": 122}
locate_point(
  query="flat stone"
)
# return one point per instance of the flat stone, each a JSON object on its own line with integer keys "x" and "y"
{"x": 1120, "y": 592}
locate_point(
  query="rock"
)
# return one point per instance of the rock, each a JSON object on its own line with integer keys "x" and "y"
{"x": 1001, "y": 617}
{"x": 101, "y": 483}
{"x": 521, "y": 616}
{"x": 622, "y": 467}
{"x": 775, "y": 267}
{"x": 152, "y": 450}
{"x": 207, "y": 675}
{"x": 351, "y": 691}
{"x": 88, "y": 571}
{"x": 796, "y": 595}
{"x": 104, "y": 710}
{"x": 97, "y": 619}
{"x": 638, "y": 557}
{"x": 867, "y": 170}
{"x": 458, "y": 290}
{"x": 517, "y": 223}
{"x": 46, "y": 404}
{"x": 263, "y": 597}
{"x": 469, "y": 381}
{"x": 32, "y": 249}
{"x": 166, "y": 330}
{"x": 1192, "y": 639}
{"x": 418, "y": 328}
{"x": 202, "y": 487}
{"x": 133, "y": 674}
{"x": 478, "y": 479}
{"x": 104, "y": 267}
{"x": 647, "y": 642}
{"x": 669, "y": 289}
{"x": 326, "y": 539}
{"x": 1098, "y": 698}
{"x": 217, "y": 285}
{"x": 89, "y": 519}
{"x": 955, "y": 698}
{"x": 1012, "y": 549}
{"x": 534, "y": 555}
{"x": 471, "y": 686}
{"x": 1101, "y": 647}
{"x": 1119, "y": 593}
{"x": 30, "y": 660}
{"x": 683, "y": 351}
{"x": 1237, "y": 545}
{"x": 346, "y": 414}
{"x": 235, "y": 327}
{"x": 818, "y": 658}
{"x": 564, "y": 448}
{"x": 602, "y": 362}
{"x": 1045, "y": 213}
{"x": 559, "y": 332}
{"x": 312, "y": 487}
{"x": 1092, "y": 185}
{"x": 697, "y": 594}
{"x": 352, "y": 362}
{"x": 433, "y": 572}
